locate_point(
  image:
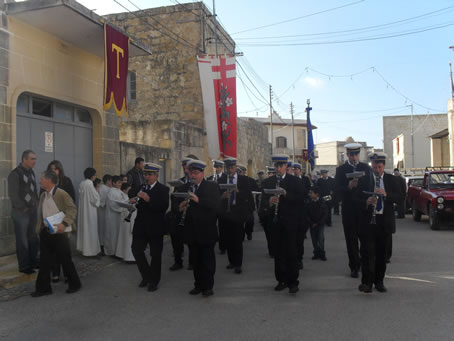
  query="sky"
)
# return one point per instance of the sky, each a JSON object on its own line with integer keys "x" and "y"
{"x": 334, "y": 57}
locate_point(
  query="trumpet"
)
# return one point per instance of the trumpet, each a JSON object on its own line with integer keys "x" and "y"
{"x": 229, "y": 188}
{"x": 187, "y": 197}
{"x": 374, "y": 211}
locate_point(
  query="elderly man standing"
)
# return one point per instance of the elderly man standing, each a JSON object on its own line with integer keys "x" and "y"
{"x": 23, "y": 193}
{"x": 53, "y": 201}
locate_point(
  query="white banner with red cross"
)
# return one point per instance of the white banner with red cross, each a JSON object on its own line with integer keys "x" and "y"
{"x": 218, "y": 82}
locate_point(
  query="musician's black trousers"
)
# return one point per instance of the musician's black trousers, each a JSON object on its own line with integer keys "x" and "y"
{"x": 221, "y": 242}
{"x": 176, "y": 238}
{"x": 51, "y": 246}
{"x": 350, "y": 221}
{"x": 329, "y": 208}
{"x": 204, "y": 265}
{"x": 150, "y": 272}
{"x": 234, "y": 233}
{"x": 267, "y": 228}
{"x": 285, "y": 245}
{"x": 249, "y": 224}
{"x": 373, "y": 252}
{"x": 302, "y": 230}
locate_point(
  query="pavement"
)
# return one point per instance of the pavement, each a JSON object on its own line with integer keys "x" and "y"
{"x": 419, "y": 304}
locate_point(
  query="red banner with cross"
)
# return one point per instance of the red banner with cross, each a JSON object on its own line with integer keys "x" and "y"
{"x": 116, "y": 56}
{"x": 218, "y": 81}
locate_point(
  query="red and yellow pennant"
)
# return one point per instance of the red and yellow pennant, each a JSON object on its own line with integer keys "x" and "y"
{"x": 116, "y": 56}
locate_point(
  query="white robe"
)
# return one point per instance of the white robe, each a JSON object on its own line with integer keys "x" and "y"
{"x": 103, "y": 190}
{"x": 113, "y": 220}
{"x": 124, "y": 241}
{"x": 87, "y": 218}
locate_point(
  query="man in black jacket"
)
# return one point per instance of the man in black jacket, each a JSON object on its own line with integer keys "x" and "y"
{"x": 200, "y": 230}
{"x": 219, "y": 175}
{"x": 284, "y": 222}
{"x": 253, "y": 187}
{"x": 377, "y": 222}
{"x": 174, "y": 220}
{"x": 345, "y": 189}
{"x": 136, "y": 177}
{"x": 23, "y": 193}
{"x": 326, "y": 186}
{"x": 233, "y": 212}
{"x": 150, "y": 226}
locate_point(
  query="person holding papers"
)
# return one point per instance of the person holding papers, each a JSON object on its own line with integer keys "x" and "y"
{"x": 56, "y": 213}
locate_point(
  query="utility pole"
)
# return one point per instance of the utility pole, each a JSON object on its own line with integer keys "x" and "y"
{"x": 271, "y": 118}
{"x": 412, "y": 139}
{"x": 293, "y": 131}
{"x": 452, "y": 83}
{"x": 215, "y": 27}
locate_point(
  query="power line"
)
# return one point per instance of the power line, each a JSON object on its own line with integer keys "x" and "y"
{"x": 393, "y": 35}
{"x": 298, "y": 18}
{"x": 367, "y": 28}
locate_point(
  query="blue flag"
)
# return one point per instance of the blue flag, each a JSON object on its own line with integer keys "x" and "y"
{"x": 310, "y": 139}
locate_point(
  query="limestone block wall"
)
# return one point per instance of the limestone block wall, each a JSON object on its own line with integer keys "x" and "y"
{"x": 253, "y": 146}
{"x": 6, "y": 137}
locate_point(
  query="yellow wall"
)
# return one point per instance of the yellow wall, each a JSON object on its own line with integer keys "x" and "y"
{"x": 42, "y": 64}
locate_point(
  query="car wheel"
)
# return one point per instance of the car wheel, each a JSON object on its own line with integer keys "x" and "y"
{"x": 416, "y": 214}
{"x": 434, "y": 221}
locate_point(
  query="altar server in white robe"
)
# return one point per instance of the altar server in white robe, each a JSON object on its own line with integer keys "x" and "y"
{"x": 87, "y": 234}
{"x": 124, "y": 241}
{"x": 103, "y": 190}
{"x": 113, "y": 216}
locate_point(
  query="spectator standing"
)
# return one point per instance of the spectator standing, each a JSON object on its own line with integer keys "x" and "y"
{"x": 316, "y": 214}
{"x": 87, "y": 236}
{"x": 103, "y": 190}
{"x": 23, "y": 194}
{"x": 135, "y": 177}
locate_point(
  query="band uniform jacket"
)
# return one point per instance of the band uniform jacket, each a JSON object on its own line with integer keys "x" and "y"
{"x": 200, "y": 221}
{"x": 253, "y": 187}
{"x": 151, "y": 215}
{"x": 393, "y": 195}
{"x": 343, "y": 193}
{"x": 240, "y": 210}
{"x": 326, "y": 186}
{"x": 290, "y": 205}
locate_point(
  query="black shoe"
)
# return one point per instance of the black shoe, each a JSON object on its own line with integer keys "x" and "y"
{"x": 55, "y": 279}
{"x": 40, "y": 293}
{"x": 238, "y": 270}
{"x": 152, "y": 287}
{"x": 365, "y": 288}
{"x": 314, "y": 257}
{"x": 281, "y": 286}
{"x": 73, "y": 290}
{"x": 249, "y": 236}
{"x": 380, "y": 287}
{"x": 176, "y": 266}
{"x": 293, "y": 289}
{"x": 323, "y": 258}
{"x": 354, "y": 274}
{"x": 230, "y": 266}
{"x": 207, "y": 293}
{"x": 190, "y": 267}
{"x": 195, "y": 291}
{"x": 388, "y": 261}
{"x": 143, "y": 283}
{"x": 28, "y": 271}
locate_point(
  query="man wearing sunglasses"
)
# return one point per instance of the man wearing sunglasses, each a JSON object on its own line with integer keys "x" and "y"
{"x": 345, "y": 188}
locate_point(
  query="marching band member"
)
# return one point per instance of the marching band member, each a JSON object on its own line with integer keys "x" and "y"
{"x": 233, "y": 213}
{"x": 345, "y": 189}
{"x": 149, "y": 226}
{"x": 283, "y": 214}
{"x": 249, "y": 224}
{"x": 199, "y": 229}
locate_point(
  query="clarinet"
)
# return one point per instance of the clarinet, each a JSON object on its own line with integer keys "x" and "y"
{"x": 183, "y": 216}
{"x": 278, "y": 185}
{"x": 128, "y": 218}
{"x": 374, "y": 206}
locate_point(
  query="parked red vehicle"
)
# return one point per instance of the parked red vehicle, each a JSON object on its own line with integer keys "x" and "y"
{"x": 434, "y": 197}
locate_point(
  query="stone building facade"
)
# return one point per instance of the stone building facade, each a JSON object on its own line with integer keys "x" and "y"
{"x": 167, "y": 111}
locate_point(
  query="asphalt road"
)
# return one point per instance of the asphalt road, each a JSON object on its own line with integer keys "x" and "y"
{"x": 419, "y": 304}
